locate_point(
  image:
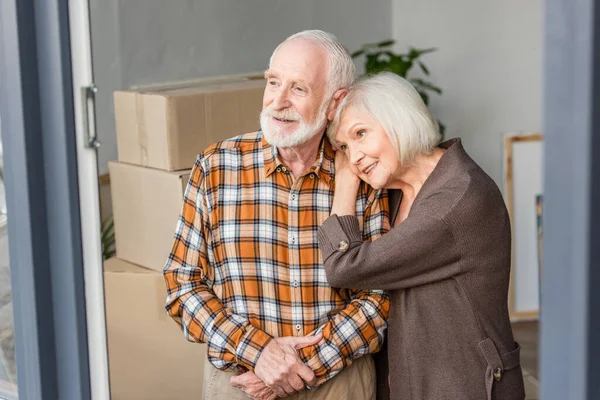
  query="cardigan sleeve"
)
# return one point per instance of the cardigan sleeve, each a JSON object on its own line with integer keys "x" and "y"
{"x": 420, "y": 250}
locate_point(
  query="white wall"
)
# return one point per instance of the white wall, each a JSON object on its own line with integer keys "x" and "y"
{"x": 489, "y": 64}
{"x": 144, "y": 41}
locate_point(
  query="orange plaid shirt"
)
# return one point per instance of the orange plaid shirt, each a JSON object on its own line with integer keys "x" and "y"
{"x": 245, "y": 265}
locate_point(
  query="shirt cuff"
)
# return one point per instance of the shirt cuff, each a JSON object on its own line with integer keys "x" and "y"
{"x": 338, "y": 234}
{"x": 325, "y": 360}
{"x": 251, "y": 346}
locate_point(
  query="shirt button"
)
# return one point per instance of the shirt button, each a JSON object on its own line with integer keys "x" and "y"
{"x": 293, "y": 197}
{"x": 283, "y": 169}
{"x": 295, "y": 284}
{"x": 343, "y": 246}
{"x": 312, "y": 176}
{"x": 293, "y": 239}
{"x": 278, "y": 169}
{"x": 298, "y": 327}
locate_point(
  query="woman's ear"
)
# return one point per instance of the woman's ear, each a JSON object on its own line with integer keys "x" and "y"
{"x": 337, "y": 98}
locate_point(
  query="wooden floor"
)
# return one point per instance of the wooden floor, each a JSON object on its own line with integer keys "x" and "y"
{"x": 526, "y": 333}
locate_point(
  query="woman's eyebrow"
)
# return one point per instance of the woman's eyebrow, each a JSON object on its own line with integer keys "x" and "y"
{"x": 354, "y": 126}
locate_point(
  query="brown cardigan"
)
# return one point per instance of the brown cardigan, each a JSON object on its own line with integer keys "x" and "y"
{"x": 447, "y": 269}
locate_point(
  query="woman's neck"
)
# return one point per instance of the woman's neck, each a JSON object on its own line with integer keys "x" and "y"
{"x": 411, "y": 179}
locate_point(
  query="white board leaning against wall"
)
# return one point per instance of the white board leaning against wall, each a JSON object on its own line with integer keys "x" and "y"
{"x": 523, "y": 166}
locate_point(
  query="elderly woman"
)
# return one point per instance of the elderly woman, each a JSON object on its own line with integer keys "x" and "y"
{"x": 445, "y": 260}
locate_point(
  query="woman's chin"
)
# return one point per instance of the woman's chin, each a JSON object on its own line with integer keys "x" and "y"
{"x": 373, "y": 183}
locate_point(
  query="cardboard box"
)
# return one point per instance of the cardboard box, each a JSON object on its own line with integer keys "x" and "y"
{"x": 200, "y": 81}
{"x": 146, "y": 204}
{"x": 166, "y": 128}
{"x": 149, "y": 358}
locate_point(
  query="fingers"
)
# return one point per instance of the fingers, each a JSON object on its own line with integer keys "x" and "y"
{"x": 280, "y": 367}
{"x": 302, "y": 342}
{"x": 296, "y": 382}
{"x": 264, "y": 394}
{"x": 254, "y": 387}
{"x": 278, "y": 390}
{"x": 289, "y": 390}
{"x": 291, "y": 345}
{"x": 280, "y": 385}
{"x": 241, "y": 379}
{"x": 235, "y": 381}
{"x": 307, "y": 375}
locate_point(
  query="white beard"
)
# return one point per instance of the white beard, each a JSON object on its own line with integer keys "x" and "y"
{"x": 274, "y": 135}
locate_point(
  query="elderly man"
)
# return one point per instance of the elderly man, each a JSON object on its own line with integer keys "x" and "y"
{"x": 245, "y": 274}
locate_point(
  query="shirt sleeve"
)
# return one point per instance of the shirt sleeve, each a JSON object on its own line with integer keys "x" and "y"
{"x": 355, "y": 331}
{"x": 420, "y": 250}
{"x": 190, "y": 301}
{"x": 359, "y": 328}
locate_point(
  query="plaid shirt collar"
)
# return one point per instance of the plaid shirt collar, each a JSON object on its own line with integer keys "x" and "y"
{"x": 323, "y": 167}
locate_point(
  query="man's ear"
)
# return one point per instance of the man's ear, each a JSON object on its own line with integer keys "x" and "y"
{"x": 338, "y": 96}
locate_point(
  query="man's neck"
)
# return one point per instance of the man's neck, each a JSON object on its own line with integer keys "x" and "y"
{"x": 300, "y": 158}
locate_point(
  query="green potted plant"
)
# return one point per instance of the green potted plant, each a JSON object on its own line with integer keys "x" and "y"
{"x": 108, "y": 238}
{"x": 379, "y": 57}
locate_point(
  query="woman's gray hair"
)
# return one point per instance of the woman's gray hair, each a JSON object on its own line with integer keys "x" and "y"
{"x": 393, "y": 102}
{"x": 341, "y": 69}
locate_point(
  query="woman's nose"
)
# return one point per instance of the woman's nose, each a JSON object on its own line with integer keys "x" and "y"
{"x": 355, "y": 156}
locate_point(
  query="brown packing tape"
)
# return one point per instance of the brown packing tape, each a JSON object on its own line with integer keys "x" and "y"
{"x": 169, "y": 88}
{"x": 197, "y": 90}
{"x": 212, "y": 87}
{"x": 142, "y": 134}
{"x": 157, "y": 87}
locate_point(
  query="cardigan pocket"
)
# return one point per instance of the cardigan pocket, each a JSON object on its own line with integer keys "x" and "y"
{"x": 497, "y": 363}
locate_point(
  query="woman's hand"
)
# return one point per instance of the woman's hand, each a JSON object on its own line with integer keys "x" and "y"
{"x": 346, "y": 186}
{"x": 343, "y": 170}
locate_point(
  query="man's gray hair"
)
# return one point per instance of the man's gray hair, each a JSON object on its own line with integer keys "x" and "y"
{"x": 341, "y": 69}
{"x": 393, "y": 102}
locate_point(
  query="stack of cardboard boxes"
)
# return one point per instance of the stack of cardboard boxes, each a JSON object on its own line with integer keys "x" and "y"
{"x": 160, "y": 131}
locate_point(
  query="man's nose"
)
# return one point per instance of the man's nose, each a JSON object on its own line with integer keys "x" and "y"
{"x": 281, "y": 99}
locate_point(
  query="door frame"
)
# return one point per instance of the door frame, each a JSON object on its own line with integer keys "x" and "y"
{"x": 570, "y": 299}
{"x": 42, "y": 190}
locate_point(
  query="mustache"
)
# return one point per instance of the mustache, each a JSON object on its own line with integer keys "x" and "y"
{"x": 287, "y": 114}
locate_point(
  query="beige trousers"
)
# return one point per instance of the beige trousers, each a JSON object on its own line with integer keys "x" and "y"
{"x": 357, "y": 382}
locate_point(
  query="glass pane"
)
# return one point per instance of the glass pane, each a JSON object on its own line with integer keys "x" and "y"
{"x": 8, "y": 367}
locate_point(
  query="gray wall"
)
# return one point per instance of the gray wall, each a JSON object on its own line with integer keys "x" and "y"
{"x": 147, "y": 41}
{"x": 489, "y": 64}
